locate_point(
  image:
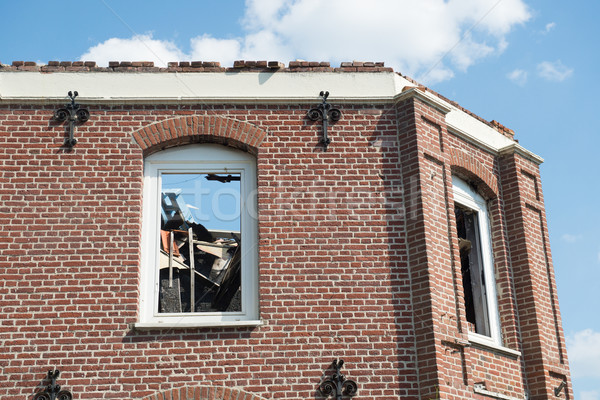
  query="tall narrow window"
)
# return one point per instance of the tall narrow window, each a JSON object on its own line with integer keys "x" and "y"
{"x": 199, "y": 259}
{"x": 476, "y": 262}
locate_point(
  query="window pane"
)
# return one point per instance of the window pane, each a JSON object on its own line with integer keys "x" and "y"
{"x": 200, "y": 251}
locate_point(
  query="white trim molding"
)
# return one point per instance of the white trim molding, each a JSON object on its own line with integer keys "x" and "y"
{"x": 199, "y": 159}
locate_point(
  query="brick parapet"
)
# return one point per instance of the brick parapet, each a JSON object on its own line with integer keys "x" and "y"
{"x": 195, "y": 66}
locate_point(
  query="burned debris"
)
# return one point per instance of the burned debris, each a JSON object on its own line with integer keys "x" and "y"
{"x": 200, "y": 268}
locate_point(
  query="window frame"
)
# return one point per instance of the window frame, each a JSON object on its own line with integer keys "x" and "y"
{"x": 467, "y": 197}
{"x": 198, "y": 158}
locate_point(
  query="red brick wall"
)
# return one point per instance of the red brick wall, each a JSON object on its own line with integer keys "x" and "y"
{"x": 357, "y": 258}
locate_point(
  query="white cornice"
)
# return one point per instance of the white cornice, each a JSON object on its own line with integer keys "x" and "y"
{"x": 486, "y": 137}
{"x": 469, "y": 128}
{"x": 223, "y": 88}
{"x": 522, "y": 151}
{"x": 426, "y": 97}
{"x": 117, "y": 88}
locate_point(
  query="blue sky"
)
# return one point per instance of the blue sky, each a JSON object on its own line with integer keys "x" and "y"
{"x": 529, "y": 64}
{"x": 214, "y": 204}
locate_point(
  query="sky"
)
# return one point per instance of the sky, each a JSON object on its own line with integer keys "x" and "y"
{"x": 532, "y": 65}
{"x": 214, "y": 204}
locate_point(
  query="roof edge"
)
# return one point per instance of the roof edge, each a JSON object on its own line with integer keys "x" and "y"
{"x": 421, "y": 94}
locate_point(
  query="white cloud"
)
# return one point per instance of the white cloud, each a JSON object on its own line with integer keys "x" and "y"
{"x": 519, "y": 77}
{"x": 207, "y": 48}
{"x": 262, "y": 45}
{"x": 584, "y": 353}
{"x": 554, "y": 71}
{"x": 440, "y": 74}
{"x": 427, "y": 39}
{"x": 260, "y": 13}
{"x": 468, "y": 51}
{"x": 137, "y": 48}
{"x": 549, "y": 27}
{"x": 593, "y": 395}
{"x": 569, "y": 238}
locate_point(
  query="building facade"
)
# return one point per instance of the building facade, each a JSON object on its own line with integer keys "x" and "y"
{"x": 200, "y": 232}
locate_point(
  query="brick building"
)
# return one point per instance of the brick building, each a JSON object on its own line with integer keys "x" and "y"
{"x": 200, "y": 232}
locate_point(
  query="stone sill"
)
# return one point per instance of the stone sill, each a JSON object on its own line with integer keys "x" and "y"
{"x": 485, "y": 343}
{"x": 188, "y": 325}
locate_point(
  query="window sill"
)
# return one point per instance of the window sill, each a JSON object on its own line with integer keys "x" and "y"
{"x": 495, "y": 395}
{"x": 187, "y": 325}
{"x": 485, "y": 343}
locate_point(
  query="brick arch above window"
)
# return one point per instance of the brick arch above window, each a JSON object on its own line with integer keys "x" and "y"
{"x": 199, "y": 129}
{"x": 466, "y": 165}
{"x": 203, "y": 393}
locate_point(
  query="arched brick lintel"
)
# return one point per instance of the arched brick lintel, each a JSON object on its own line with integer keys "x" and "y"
{"x": 203, "y": 393}
{"x": 199, "y": 129}
{"x": 466, "y": 165}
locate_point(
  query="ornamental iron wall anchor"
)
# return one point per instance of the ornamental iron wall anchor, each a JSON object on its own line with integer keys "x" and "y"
{"x": 52, "y": 391}
{"x": 73, "y": 113}
{"x": 559, "y": 388}
{"x": 338, "y": 386}
{"x": 327, "y": 114}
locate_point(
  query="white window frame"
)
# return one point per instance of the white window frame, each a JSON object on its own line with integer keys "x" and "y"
{"x": 467, "y": 197}
{"x": 198, "y": 158}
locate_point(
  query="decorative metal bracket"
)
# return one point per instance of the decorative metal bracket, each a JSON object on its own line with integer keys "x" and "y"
{"x": 73, "y": 113}
{"x": 338, "y": 385}
{"x": 52, "y": 391}
{"x": 559, "y": 389}
{"x": 326, "y": 113}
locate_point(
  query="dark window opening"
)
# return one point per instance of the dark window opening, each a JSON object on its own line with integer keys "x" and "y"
{"x": 473, "y": 279}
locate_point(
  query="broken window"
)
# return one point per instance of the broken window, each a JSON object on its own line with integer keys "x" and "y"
{"x": 200, "y": 243}
{"x": 471, "y": 268}
{"x": 476, "y": 261}
{"x": 200, "y": 236}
